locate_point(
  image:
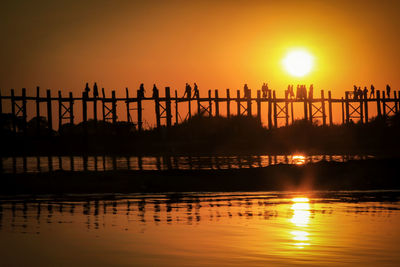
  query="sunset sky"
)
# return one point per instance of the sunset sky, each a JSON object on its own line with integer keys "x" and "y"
{"x": 218, "y": 44}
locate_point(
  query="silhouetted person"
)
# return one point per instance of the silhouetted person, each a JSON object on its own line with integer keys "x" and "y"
{"x": 311, "y": 92}
{"x": 372, "y": 91}
{"x": 246, "y": 90}
{"x": 387, "y": 91}
{"x": 196, "y": 90}
{"x": 291, "y": 91}
{"x": 87, "y": 89}
{"x": 365, "y": 92}
{"x": 95, "y": 90}
{"x": 188, "y": 91}
{"x": 359, "y": 93}
{"x": 155, "y": 91}
{"x": 264, "y": 90}
{"x": 354, "y": 92}
{"x": 141, "y": 90}
{"x": 298, "y": 92}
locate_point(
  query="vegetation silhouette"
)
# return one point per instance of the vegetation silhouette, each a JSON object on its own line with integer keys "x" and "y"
{"x": 203, "y": 135}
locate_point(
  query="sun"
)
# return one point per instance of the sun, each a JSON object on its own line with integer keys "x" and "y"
{"x": 298, "y": 63}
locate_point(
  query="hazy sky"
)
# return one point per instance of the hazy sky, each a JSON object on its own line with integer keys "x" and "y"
{"x": 218, "y": 44}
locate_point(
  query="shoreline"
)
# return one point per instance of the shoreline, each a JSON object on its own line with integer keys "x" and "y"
{"x": 370, "y": 174}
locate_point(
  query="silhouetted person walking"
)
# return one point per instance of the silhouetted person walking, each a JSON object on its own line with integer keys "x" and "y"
{"x": 365, "y": 92}
{"x": 359, "y": 93}
{"x": 95, "y": 90}
{"x": 246, "y": 90}
{"x": 87, "y": 89}
{"x": 155, "y": 91}
{"x": 141, "y": 90}
{"x": 372, "y": 91}
{"x": 387, "y": 91}
{"x": 196, "y": 90}
{"x": 291, "y": 91}
{"x": 188, "y": 91}
{"x": 264, "y": 90}
{"x": 354, "y": 92}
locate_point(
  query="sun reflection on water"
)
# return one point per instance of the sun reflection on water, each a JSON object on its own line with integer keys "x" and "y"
{"x": 298, "y": 159}
{"x": 301, "y": 219}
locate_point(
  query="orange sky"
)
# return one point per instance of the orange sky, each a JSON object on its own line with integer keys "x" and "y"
{"x": 218, "y": 44}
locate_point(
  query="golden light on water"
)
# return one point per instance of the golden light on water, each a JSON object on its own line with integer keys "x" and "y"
{"x": 298, "y": 159}
{"x": 300, "y": 219}
{"x": 298, "y": 62}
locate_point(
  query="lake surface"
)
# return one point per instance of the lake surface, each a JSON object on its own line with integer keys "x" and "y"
{"x": 105, "y": 163}
{"x": 203, "y": 229}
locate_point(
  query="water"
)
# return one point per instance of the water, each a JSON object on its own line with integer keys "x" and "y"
{"x": 203, "y": 229}
{"x": 105, "y": 163}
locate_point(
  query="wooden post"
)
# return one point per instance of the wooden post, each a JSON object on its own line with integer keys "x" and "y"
{"x": 127, "y": 102}
{"x": 210, "y": 103}
{"x": 275, "y": 113}
{"x": 228, "y": 104}
{"x": 378, "y": 103}
{"x": 323, "y": 108}
{"x": 259, "y": 106}
{"x": 342, "y": 102}
{"x": 291, "y": 110}
{"x": 60, "y": 115}
{"x": 198, "y": 104}
{"x": 14, "y": 119}
{"x": 305, "y": 107}
{"x": 347, "y": 107}
{"x": 395, "y": 102}
{"x": 269, "y": 110}
{"x": 310, "y": 105}
{"x": 103, "y": 104}
{"x": 37, "y": 110}
{"x": 361, "y": 109}
{"x": 1, "y": 115}
{"x": 168, "y": 105}
{"x": 330, "y": 108}
{"x": 366, "y": 107}
{"x": 84, "y": 108}
{"x": 190, "y": 106}
{"x": 71, "y": 109}
{"x": 249, "y": 110}
{"x": 238, "y": 102}
{"x": 114, "y": 109}
{"x": 49, "y": 112}
{"x": 384, "y": 104}
{"x": 286, "y": 108}
{"x": 176, "y": 108}
{"x": 24, "y": 111}
{"x": 157, "y": 108}
{"x": 216, "y": 103}
{"x": 95, "y": 108}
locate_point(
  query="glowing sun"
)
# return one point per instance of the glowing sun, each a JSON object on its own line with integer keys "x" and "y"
{"x": 298, "y": 63}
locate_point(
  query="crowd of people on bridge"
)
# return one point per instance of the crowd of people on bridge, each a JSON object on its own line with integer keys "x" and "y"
{"x": 301, "y": 91}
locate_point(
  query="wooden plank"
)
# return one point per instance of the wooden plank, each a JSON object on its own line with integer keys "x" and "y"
{"x": 330, "y": 108}
{"x": 259, "y": 106}
{"x": 127, "y": 102}
{"x": 228, "y": 104}
{"x": 275, "y": 110}
{"x": 14, "y": 116}
{"x": 347, "y": 107}
{"x": 238, "y": 102}
{"x": 114, "y": 109}
{"x": 176, "y": 108}
{"x": 366, "y": 107}
{"x": 378, "y": 103}
{"x": 168, "y": 105}
{"x": 71, "y": 109}
{"x": 59, "y": 110}
{"x": 210, "y": 103}
{"x": 24, "y": 112}
{"x": 49, "y": 112}
{"x": 323, "y": 108}
{"x": 269, "y": 110}
{"x": 216, "y": 101}
{"x": 249, "y": 111}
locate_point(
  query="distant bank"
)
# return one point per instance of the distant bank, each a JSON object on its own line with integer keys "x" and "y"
{"x": 368, "y": 174}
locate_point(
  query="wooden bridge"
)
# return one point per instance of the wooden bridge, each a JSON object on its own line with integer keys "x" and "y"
{"x": 278, "y": 109}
